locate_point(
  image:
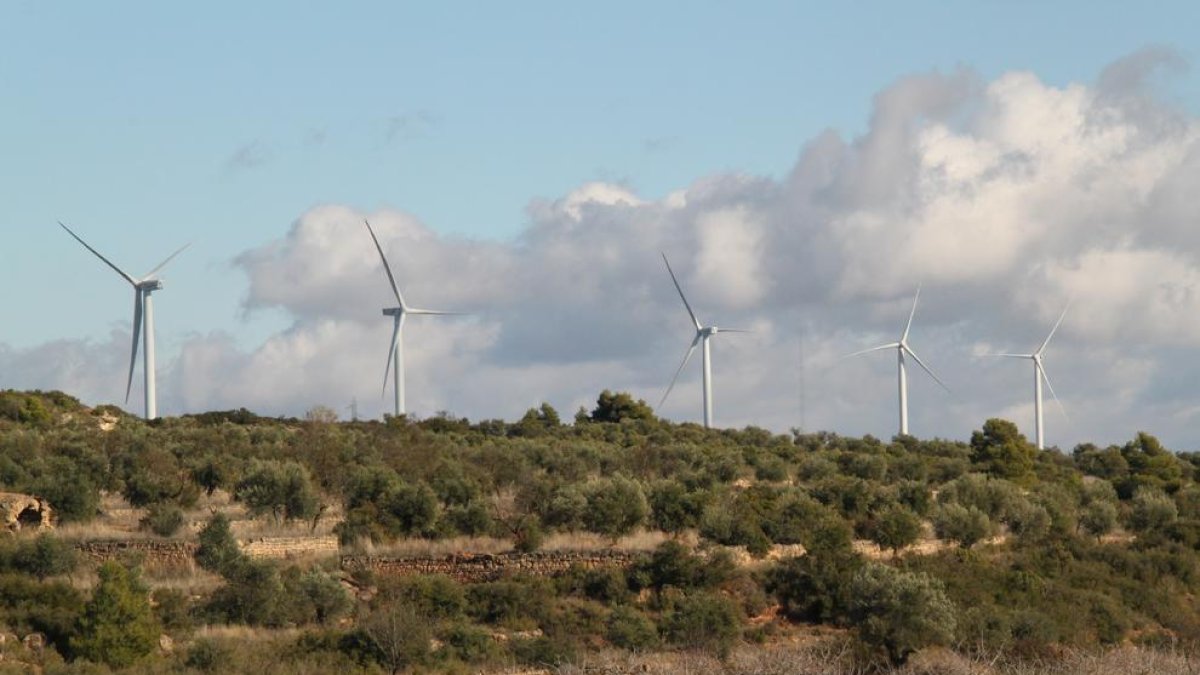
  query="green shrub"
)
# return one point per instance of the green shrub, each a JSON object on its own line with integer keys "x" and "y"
{"x": 704, "y": 621}
{"x": 965, "y": 525}
{"x": 630, "y": 629}
{"x": 117, "y": 626}
{"x": 896, "y": 528}
{"x": 218, "y": 551}
{"x": 43, "y": 556}
{"x": 815, "y": 587}
{"x": 899, "y": 611}
{"x": 283, "y": 489}
{"x": 208, "y": 656}
{"x": 163, "y": 519}
{"x": 435, "y": 596}
{"x": 615, "y": 506}
{"x": 468, "y": 643}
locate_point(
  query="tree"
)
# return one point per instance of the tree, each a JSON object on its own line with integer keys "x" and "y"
{"x": 612, "y": 407}
{"x": 704, "y": 620}
{"x": 399, "y": 635}
{"x": 615, "y": 506}
{"x": 895, "y": 528}
{"x": 218, "y": 551}
{"x": 1001, "y": 450}
{"x": 1098, "y": 518}
{"x": 118, "y": 626}
{"x": 964, "y": 524}
{"x": 1152, "y": 511}
{"x": 900, "y": 611}
{"x": 283, "y": 489}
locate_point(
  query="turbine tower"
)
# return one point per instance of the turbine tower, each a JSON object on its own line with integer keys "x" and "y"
{"x": 902, "y": 348}
{"x": 1039, "y": 374}
{"x": 143, "y": 320}
{"x": 703, "y": 334}
{"x": 396, "y": 350}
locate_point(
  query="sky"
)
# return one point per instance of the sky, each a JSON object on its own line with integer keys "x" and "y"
{"x": 805, "y": 166}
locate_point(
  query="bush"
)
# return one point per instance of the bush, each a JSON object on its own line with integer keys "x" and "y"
{"x": 117, "y": 626}
{"x": 815, "y": 587}
{"x": 1152, "y": 511}
{"x": 615, "y": 506}
{"x": 283, "y": 489}
{"x": 218, "y": 551}
{"x": 704, "y": 621}
{"x": 965, "y": 525}
{"x": 630, "y": 629}
{"x": 900, "y": 611}
{"x": 43, "y": 556}
{"x": 162, "y": 519}
{"x": 1098, "y": 518}
{"x": 208, "y": 656}
{"x": 895, "y": 528}
{"x": 399, "y": 637}
{"x": 468, "y": 643}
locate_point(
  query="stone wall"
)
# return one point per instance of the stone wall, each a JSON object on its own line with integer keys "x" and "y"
{"x": 463, "y": 567}
{"x": 290, "y": 547}
{"x": 476, "y": 568}
{"x": 150, "y": 551}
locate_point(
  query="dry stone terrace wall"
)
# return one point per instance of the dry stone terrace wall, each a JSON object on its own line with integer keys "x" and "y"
{"x": 463, "y": 567}
{"x": 477, "y": 568}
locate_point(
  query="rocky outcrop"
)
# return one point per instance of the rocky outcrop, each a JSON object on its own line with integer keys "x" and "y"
{"x": 25, "y": 512}
{"x": 477, "y": 568}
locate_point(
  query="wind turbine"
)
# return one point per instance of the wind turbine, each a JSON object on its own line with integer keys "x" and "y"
{"x": 396, "y": 350}
{"x": 703, "y": 334}
{"x": 903, "y": 348}
{"x": 1039, "y": 374}
{"x": 143, "y": 320}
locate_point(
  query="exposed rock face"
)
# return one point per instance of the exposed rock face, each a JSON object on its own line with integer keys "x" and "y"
{"x": 22, "y": 512}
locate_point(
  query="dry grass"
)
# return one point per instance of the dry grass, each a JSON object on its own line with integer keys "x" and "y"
{"x": 837, "y": 657}
{"x": 568, "y": 541}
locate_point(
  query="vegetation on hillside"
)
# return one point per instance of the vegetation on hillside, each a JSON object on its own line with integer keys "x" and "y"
{"x": 986, "y": 547}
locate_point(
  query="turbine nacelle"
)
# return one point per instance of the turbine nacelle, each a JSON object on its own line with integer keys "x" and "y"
{"x": 393, "y": 311}
{"x": 149, "y": 285}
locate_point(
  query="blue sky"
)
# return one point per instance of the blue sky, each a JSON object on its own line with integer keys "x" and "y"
{"x": 145, "y": 125}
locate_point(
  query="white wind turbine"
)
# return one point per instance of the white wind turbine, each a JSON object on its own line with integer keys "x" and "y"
{"x": 143, "y": 320}
{"x": 903, "y": 348}
{"x": 396, "y": 349}
{"x": 703, "y": 334}
{"x": 1039, "y": 374}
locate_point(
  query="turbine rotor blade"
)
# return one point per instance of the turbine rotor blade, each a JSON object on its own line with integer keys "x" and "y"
{"x": 433, "y": 312}
{"x": 1052, "y": 330}
{"x": 686, "y": 357}
{"x": 925, "y": 367}
{"x": 137, "y": 331}
{"x": 108, "y": 262}
{"x": 1011, "y": 356}
{"x": 391, "y": 352}
{"x": 681, "y": 296}
{"x": 890, "y": 345}
{"x": 1042, "y": 371}
{"x": 163, "y": 264}
{"x": 386, "y": 268}
{"x": 733, "y": 330}
{"x": 911, "y": 314}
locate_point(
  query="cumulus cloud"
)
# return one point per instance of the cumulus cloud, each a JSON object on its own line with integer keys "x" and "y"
{"x": 1004, "y": 199}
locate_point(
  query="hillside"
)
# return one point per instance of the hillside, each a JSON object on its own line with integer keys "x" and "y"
{"x": 624, "y": 535}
